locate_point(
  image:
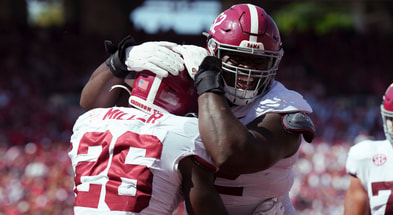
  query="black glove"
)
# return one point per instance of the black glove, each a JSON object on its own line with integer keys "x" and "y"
{"x": 208, "y": 78}
{"x": 118, "y": 53}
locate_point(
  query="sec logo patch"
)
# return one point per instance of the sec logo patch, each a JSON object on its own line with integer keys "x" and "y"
{"x": 379, "y": 159}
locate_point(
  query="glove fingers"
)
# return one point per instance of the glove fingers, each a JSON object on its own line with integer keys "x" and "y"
{"x": 110, "y": 47}
{"x": 168, "y": 60}
{"x": 192, "y": 55}
{"x": 157, "y": 70}
{"x": 179, "y": 50}
{"x": 149, "y": 67}
{"x": 169, "y": 54}
{"x": 156, "y": 57}
{"x": 167, "y": 65}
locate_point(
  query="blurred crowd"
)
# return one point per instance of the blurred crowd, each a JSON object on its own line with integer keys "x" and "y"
{"x": 35, "y": 179}
{"x": 342, "y": 75}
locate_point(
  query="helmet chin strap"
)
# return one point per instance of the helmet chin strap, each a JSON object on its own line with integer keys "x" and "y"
{"x": 120, "y": 86}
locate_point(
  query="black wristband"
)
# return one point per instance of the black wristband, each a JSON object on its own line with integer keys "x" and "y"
{"x": 116, "y": 61}
{"x": 118, "y": 68}
{"x": 208, "y": 77}
{"x": 209, "y": 81}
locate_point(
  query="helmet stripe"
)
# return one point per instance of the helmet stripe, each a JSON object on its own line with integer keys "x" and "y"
{"x": 254, "y": 22}
{"x": 154, "y": 89}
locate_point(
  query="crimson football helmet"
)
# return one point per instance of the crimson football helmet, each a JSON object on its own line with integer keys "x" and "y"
{"x": 387, "y": 113}
{"x": 246, "y": 33}
{"x": 173, "y": 94}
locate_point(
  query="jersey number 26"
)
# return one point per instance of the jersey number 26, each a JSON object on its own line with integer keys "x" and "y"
{"x": 118, "y": 174}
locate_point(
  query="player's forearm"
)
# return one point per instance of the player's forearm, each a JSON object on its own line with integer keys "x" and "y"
{"x": 201, "y": 197}
{"x": 354, "y": 207}
{"x": 224, "y": 136}
{"x": 96, "y": 92}
{"x": 206, "y": 202}
{"x": 356, "y": 199}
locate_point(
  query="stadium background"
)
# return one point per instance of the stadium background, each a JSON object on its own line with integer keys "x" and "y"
{"x": 337, "y": 54}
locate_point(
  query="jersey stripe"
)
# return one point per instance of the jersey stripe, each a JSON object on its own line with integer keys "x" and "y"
{"x": 201, "y": 163}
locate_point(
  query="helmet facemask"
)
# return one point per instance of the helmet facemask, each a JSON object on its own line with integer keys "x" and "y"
{"x": 247, "y": 72}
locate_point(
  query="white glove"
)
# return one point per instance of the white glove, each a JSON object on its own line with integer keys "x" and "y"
{"x": 193, "y": 57}
{"x": 156, "y": 57}
{"x": 270, "y": 207}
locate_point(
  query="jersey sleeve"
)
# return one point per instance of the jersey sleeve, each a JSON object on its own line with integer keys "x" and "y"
{"x": 202, "y": 163}
{"x": 358, "y": 161}
{"x": 351, "y": 164}
{"x": 357, "y": 156}
{"x": 185, "y": 134}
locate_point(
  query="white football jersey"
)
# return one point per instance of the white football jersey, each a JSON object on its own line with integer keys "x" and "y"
{"x": 126, "y": 161}
{"x": 372, "y": 162}
{"x": 242, "y": 194}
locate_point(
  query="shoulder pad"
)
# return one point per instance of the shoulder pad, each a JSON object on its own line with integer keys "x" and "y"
{"x": 299, "y": 122}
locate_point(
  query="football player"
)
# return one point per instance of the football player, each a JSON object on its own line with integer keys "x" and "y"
{"x": 370, "y": 166}
{"x": 142, "y": 159}
{"x": 249, "y": 122}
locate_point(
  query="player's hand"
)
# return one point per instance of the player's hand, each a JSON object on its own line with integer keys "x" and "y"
{"x": 208, "y": 78}
{"x": 192, "y": 56}
{"x": 157, "y": 57}
{"x": 115, "y": 62}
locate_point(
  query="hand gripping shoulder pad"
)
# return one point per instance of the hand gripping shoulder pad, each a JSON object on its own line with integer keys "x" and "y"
{"x": 299, "y": 122}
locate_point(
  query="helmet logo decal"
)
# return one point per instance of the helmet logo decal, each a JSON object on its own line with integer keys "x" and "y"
{"x": 254, "y": 45}
{"x": 217, "y": 22}
{"x": 143, "y": 84}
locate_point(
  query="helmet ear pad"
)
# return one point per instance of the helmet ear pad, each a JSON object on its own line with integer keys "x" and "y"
{"x": 173, "y": 94}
